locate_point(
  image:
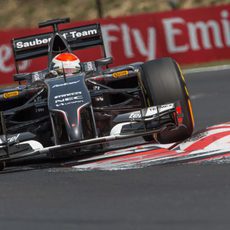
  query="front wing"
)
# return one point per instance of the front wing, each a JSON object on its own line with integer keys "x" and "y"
{"x": 13, "y": 149}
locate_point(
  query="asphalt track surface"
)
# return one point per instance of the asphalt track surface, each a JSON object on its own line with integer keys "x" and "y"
{"x": 190, "y": 196}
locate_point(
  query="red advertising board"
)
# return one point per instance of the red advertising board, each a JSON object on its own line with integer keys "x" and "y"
{"x": 189, "y": 36}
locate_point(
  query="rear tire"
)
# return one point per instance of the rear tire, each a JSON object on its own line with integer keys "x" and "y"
{"x": 164, "y": 83}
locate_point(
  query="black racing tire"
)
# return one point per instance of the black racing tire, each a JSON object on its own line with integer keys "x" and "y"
{"x": 164, "y": 83}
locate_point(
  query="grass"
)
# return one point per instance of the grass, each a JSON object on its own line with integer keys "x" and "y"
{"x": 27, "y": 13}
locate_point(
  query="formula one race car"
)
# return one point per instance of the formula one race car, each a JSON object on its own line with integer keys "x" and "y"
{"x": 60, "y": 113}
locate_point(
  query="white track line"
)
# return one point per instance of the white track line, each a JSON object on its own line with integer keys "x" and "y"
{"x": 206, "y": 69}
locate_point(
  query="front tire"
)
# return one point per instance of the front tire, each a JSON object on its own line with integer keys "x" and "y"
{"x": 164, "y": 83}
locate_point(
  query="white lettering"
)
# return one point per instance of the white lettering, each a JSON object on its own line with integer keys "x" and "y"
{"x": 65, "y": 35}
{"x": 127, "y": 41}
{"x": 226, "y": 26}
{"x": 36, "y": 41}
{"x": 24, "y": 65}
{"x": 5, "y": 55}
{"x": 68, "y": 94}
{"x": 20, "y": 44}
{"x": 73, "y": 34}
{"x": 204, "y": 30}
{"x": 85, "y": 33}
{"x": 108, "y": 39}
{"x": 90, "y": 32}
{"x": 78, "y": 34}
{"x": 170, "y": 34}
{"x": 150, "y": 50}
{"x": 65, "y": 84}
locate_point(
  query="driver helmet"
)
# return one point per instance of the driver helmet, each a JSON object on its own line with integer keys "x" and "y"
{"x": 67, "y": 62}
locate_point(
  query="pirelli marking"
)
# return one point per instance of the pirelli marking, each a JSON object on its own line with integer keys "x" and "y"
{"x": 10, "y": 94}
{"x": 120, "y": 74}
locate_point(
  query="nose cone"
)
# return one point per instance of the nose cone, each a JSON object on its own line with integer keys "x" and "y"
{"x": 75, "y": 132}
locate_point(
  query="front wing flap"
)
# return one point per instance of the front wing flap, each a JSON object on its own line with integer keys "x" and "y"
{"x": 27, "y": 149}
